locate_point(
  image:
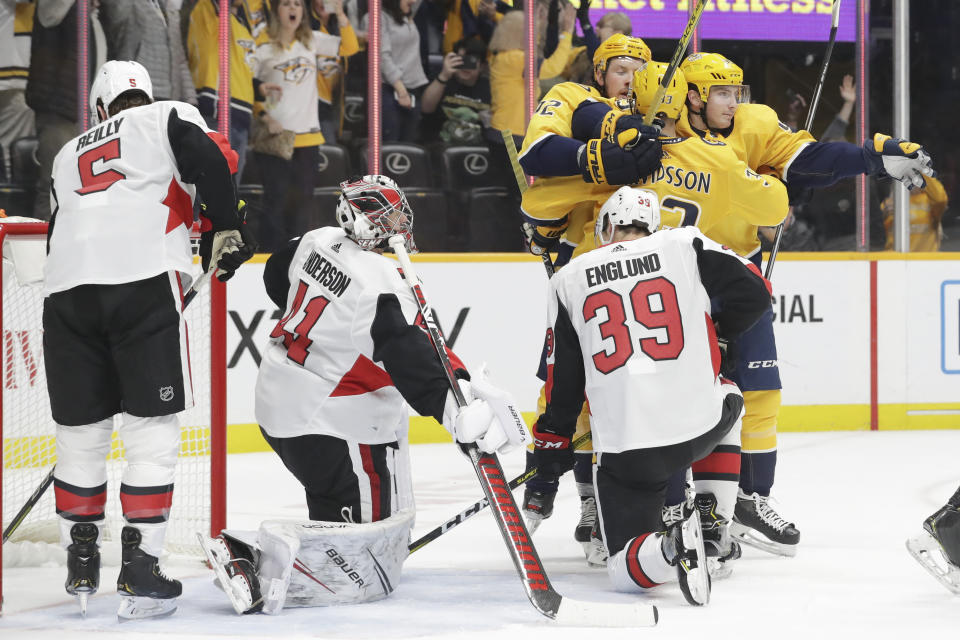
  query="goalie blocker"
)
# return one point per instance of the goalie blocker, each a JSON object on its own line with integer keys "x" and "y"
{"x": 290, "y": 563}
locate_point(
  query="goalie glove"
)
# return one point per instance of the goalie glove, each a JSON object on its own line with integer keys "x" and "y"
{"x": 901, "y": 160}
{"x": 227, "y": 250}
{"x": 490, "y": 419}
{"x": 605, "y": 162}
{"x": 552, "y": 453}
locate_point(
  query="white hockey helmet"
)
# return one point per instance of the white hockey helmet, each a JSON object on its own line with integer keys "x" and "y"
{"x": 114, "y": 78}
{"x": 627, "y": 205}
{"x": 372, "y": 209}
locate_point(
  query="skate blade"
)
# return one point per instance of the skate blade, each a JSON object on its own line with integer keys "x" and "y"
{"x": 82, "y": 597}
{"x": 596, "y": 553}
{"x": 214, "y": 552}
{"x": 533, "y": 522}
{"x": 697, "y": 591}
{"x": 752, "y": 538}
{"x": 926, "y": 550}
{"x": 718, "y": 570}
{"x": 138, "y": 608}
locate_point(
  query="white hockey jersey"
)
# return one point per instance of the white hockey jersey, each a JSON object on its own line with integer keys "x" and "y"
{"x": 348, "y": 349}
{"x": 122, "y": 196}
{"x": 631, "y": 328}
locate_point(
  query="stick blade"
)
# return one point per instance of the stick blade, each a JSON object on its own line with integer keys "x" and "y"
{"x": 581, "y": 613}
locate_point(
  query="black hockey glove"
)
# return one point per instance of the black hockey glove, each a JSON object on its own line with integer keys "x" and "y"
{"x": 228, "y": 249}
{"x": 728, "y": 357}
{"x": 552, "y": 453}
{"x": 605, "y": 162}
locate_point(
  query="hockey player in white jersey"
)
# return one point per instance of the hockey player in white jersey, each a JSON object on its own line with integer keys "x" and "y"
{"x": 348, "y": 355}
{"x": 119, "y": 261}
{"x": 937, "y": 549}
{"x": 630, "y": 329}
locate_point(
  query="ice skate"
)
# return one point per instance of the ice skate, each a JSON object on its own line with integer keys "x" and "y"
{"x": 235, "y": 575}
{"x": 144, "y": 590}
{"x": 687, "y": 540}
{"x": 721, "y": 550}
{"x": 595, "y": 549}
{"x": 937, "y": 549}
{"x": 83, "y": 563}
{"x": 537, "y": 507}
{"x": 588, "y": 518}
{"x": 757, "y": 524}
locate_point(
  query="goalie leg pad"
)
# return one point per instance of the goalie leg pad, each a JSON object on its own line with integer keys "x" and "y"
{"x": 310, "y": 564}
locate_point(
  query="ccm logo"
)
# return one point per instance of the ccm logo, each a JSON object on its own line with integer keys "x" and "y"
{"x": 549, "y": 444}
{"x": 761, "y": 364}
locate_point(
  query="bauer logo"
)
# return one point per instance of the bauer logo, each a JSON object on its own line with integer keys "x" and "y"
{"x": 950, "y": 326}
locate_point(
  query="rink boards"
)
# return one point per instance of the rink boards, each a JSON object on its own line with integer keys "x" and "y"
{"x": 865, "y": 340}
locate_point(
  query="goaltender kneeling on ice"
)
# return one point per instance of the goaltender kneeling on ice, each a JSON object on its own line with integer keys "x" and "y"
{"x": 333, "y": 401}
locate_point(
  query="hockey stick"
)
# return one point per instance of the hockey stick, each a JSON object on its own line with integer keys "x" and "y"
{"x": 674, "y": 62}
{"x": 505, "y": 511}
{"x": 48, "y": 479}
{"x": 811, "y": 112}
{"x": 522, "y": 185}
{"x": 479, "y": 505}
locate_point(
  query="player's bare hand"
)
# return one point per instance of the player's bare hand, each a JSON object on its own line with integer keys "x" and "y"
{"x": 273, "y": 125}
{"x": 848, "y": 90}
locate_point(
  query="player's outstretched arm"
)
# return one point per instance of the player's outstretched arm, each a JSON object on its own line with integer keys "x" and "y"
{"x": 821, "y": 164}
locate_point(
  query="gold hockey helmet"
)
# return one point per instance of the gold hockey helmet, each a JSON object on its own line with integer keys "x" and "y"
{"x": 619, "y": 46}
{"x": 644, "y": 86}
{"x": 706, "y": 70}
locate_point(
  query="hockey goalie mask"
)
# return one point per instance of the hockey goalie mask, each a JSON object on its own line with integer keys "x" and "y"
{"x": 627, "y": 206}
{"x": 372, "y": 209}
{"x": 116, "y": 77}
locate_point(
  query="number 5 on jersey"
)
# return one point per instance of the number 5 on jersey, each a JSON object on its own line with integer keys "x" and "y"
{"x": 297, "y": 342}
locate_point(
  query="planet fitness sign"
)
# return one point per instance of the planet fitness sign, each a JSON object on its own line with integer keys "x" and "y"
{"x": 735, "y": 19}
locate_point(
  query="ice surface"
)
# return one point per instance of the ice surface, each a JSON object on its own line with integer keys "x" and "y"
{"x": 856, "y": 496}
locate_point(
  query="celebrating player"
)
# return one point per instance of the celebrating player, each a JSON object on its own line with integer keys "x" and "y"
{"x": 938, "y": 548}
{"x": 114, "y": 336}
{"x": 631, "y": 327}
{"x": 702, "y": 182}
{"x": 549, "y": 149}
{"x": 349, "y": 350}
{"x": 718, "y": 102}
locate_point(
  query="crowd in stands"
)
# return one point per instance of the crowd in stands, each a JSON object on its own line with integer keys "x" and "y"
{"x": 452, "y": 78}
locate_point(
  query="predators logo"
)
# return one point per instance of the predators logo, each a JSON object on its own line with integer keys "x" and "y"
{"x": 248, "y": 47}
{"x": 295, "y": 69}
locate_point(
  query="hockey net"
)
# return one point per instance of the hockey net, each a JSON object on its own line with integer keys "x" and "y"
{"x": 28, "y": 430}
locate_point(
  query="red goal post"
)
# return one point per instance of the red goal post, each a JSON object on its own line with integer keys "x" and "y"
{"x": 27, "y": 430}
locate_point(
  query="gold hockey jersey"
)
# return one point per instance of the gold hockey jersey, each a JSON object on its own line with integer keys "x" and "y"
{"x": 702, "y": 183}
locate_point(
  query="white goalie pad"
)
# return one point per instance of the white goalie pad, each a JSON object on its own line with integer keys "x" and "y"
{"x": 315, "y": 564}
{"x": 24, "y": 256}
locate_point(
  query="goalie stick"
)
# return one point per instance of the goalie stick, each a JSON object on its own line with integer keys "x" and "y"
{"x": 41, "y": 489}
{"x": 811, "y": 112}
{"x": 479, "y": 505}
{"x": 540, "y": 592}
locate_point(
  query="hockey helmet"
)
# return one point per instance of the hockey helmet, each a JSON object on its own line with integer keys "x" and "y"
{"x": 114, "y": 78}
{"x": 628, "y": 205}
{"x": 619, "y": 46}
{"x": 372, "y": 209}
{"x": 706, "y": 70}
{"x": 646, "y": 81}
